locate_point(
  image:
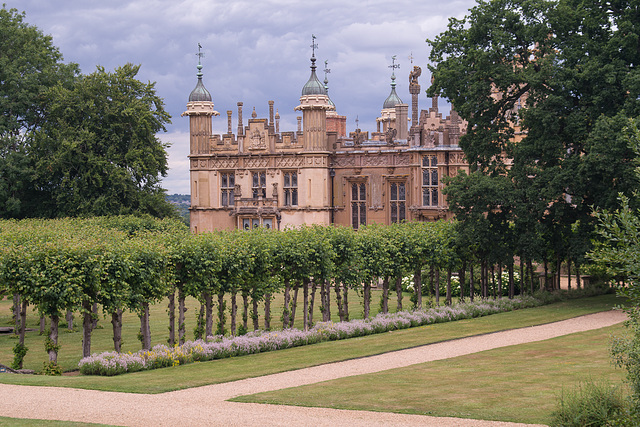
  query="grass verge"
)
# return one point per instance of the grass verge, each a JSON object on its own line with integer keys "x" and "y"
{"x": 218, "y": 371}
{"x": 519, "y": 384}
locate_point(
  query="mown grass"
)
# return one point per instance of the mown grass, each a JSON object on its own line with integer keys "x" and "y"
{"x": 10, "y": 422}
{"x": 519, "y": 384}
{"x": 218, "y": 371}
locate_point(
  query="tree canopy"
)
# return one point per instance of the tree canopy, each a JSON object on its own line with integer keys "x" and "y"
{"x": 72, "y": 144}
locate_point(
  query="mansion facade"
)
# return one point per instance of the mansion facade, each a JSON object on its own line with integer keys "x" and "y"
{"x": 320, "y": 174}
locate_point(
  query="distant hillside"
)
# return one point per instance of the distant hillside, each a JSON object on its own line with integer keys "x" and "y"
{"x": 182, "y": 202}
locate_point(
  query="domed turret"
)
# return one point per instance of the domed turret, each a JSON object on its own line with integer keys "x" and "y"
{"x": 313, "y": 86}
{"x": 393, "y": 99}
{"x": 199, "y": 93}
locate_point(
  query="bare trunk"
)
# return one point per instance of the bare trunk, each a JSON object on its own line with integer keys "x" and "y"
{"x": 385, "y": 295}
{"x": 182, "y": 310}
{"x": 367, "y": 299}
{"x": 399, "y": 292}
{"x": 200, "y": 323}
{"x": 448, "y": 302}
{"x": 437, "y": 285}
{"x": 208, "y": 308}
{"x": 522, "y": 276}
{"x": 326, "y": 313}
{"x": 499, "y": 280}
{"x": 234, "y": 311}
{"x": 531, "y": 283}
{"x": 323, "y": 301}
{"x": 512, "y": 290}
{"x": 493, "y": 281}
{"x": 578, "y": 275}
{"x": 87, "y": 327}
{"x": 116, "y": 323}
{"x": 267, "y": 312}
{"x": 546, "y": 273}
{"x": 245, "y": 310}
{"x": 53, "y": 337}
{"x": 336, "y": 286}
{"x": 471, "y": 284}
{"x": 221, "y": 317}
{"x": 254, "y": 309}
{"x": 569, "y": 273}
{"x": 144, "y": 327}
{"x": 462, "y": 278}
{"x": 305, "y": 304}
{"x": 345, "y": 302}
{"x": 312, "y": 301}
{"x": 559, "y": 270}
{"x": 294, "y": 305}
{"x": 23, "y": 321}
{"x": 285, "y": 308}
{"x": 417, "y": 286}
{"x": 16, "y": 312}
{"x": 69, "y": 319}
{"x": 172, "y": 317}
{"x": 41, "y": 324}
{"x": 432, "y": 292}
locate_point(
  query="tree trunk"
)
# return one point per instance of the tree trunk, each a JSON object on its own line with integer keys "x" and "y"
{"x": 546, "y": 273}
{"x": 336, "y": 287}
{"x": 448, "y": 302}
{"x": 172, "y": 317}
{"x": 69, "y": 319}
{"x": 254, "y": 309}
{"x": 559, "y": 268}
{"x": 16, "y": 312}
{"x": 385, "y": 295}
{"x": 305, "y": 304}
{"x": 182, "y": 310}
{"x": 208, "y": 307}
{"x": 116, "y": 323}
{"x": 23, "y": 322}
{"x": 245, "y": 310}
{"x": 41, "y": 324}
{"x": 326, "y": 313}
{"x": 531, "y": 284}
{"x": 53, "y": 336}
{"x": 493, "y": 281}
{"x": 522, "y": 276}
{"x": 323, "y": 301}
{"x": 462, "y": 278}
{"x": 234, "y": 311}
{"x": 471, "y": 284}
{"x": 367, "y": 298}
{"x": 345, "y": 302}
{"x": 221, "y": 317}
{"x": 399, "y": 292}
{"x": 294, "y": 305}
{"x": 285, "y": 308}
{"x": 417, "y": 286}
{"x": 499, "y": 280}
{"x": 87, "y": 326}
{"x": 436, "y": 282}
{"x": 312, "y": 301}
{"x": 568, "y": 273}
{"x": 432, "y": 292}
{"x": 144, "y": 327}
{"x": 200, "y": 323}
{"x": 512, "y": 290}
{"x": 578, "y": 275}
{"x": 267, "y": 311}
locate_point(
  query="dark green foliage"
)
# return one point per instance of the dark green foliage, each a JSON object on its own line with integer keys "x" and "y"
{"x": 19, "y": 352}
{"x": 590, "y": 404}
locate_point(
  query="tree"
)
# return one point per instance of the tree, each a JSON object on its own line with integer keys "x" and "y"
{"x": 97, "y": 153}
{"x": 547, "y": 85}
{"x": 29, "y": 65}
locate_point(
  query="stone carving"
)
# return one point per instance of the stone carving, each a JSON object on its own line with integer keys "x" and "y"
{"x": 289, "y": 162}
{"x": 274, "y": 193}
{"x": 257, "y": 163}
{"x": 403, "y": 160}
{"x": 375, "y": 160}
{"x": 390, "y": 135}
{"x": 413, "y": 75}
{"x": 257, "y": 140}
{"x": 224, "y": 164}
{"x": 344, "y": 161}
{"x": 457, "y": 158}
{"x": 237, "y": 191}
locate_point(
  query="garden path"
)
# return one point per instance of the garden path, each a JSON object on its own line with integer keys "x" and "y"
{"x": 208, "y": 406}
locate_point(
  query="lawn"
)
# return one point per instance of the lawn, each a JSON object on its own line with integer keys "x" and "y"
{"x": 519, "y": 383}
{"x": 218, "y": 371}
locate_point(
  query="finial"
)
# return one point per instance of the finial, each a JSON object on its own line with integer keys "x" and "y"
{"x": 393, "y": 66}
{"x": 200, "y": 55}
{"x": 314, "y": 46}
{"x": 326, "y": 71}
{"x": 357, "y": 123}
{"x": 411, "y": 57}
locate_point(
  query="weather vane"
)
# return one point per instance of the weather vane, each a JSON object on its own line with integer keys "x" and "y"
{"x": 393, "y": 65}
{"x": 314, "y": 46}
{"x": 411, "y": 57}
{"x": 357, "y": 123}
{"x": 200, "y": 54}
{"x": 326, "y": 70}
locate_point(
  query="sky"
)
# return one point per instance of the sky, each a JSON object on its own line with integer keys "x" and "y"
{"x": 254, "y": 51}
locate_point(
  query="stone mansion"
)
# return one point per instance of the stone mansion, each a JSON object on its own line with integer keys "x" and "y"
{"x": 260, "y": 176}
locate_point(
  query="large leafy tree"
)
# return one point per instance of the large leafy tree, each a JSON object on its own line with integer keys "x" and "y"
{"x": 98, "y": 153}
{"x": 29, "y": 65}
{"x": 548, "y": 85}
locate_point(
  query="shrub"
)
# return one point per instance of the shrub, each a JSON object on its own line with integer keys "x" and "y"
{"x": 590, "y": 404}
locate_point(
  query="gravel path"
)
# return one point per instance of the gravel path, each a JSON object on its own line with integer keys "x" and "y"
{"x": 208, "y": 406}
